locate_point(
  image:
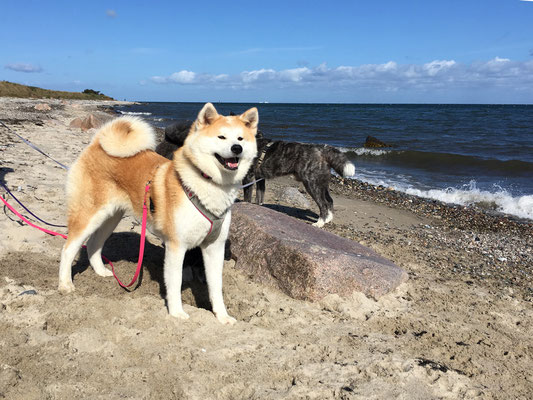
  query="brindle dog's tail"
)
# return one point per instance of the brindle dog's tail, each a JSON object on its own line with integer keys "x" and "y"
{"x": 338, "y": 161}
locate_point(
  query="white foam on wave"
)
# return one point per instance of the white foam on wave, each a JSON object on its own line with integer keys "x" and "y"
{"x": 135, "y": 113}
{"x": 360, "y": 151}
{"x": 501, "y": 200}
{"x": 498, "y": 200}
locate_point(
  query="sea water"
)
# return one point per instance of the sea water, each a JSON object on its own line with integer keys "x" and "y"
{"x": 460, "y": 154}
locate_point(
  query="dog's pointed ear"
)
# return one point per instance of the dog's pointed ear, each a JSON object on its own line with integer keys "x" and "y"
{"x": 207, "y": 115}
{"x": 250, "y": 118}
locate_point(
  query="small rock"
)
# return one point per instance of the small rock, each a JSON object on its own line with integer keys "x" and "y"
{"x": 373, "y": 142}
{"x": 91, "y": 121}
{"x": 42, "y": 107}
{"x": 292, "y": 196}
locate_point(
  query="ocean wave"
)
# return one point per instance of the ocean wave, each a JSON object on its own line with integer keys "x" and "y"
{"x": 438, "y": 162}
{"x": 134, "y": 113}
{"x": 360, "y": 151}
{"x": 499, "y": 200}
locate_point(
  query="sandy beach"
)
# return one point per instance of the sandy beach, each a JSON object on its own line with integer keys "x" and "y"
{"x": 459, "y": 328}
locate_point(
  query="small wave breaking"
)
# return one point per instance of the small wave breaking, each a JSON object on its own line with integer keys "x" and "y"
{"x": 363, "y": 151}
{"x": 499, "y": 200}
{"x": 134, "y": 113}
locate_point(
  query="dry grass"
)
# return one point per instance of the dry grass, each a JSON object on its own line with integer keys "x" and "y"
{"x": 10, "y": 89}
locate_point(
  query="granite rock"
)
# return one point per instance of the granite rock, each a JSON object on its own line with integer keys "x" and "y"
{"x": 305, "y": 262}
{"x": 292, "y": 196}
{"x": 372, "y": 142}
{"x": 89, "y": 122}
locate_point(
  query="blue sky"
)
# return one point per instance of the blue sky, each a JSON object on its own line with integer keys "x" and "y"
{"x": 277, "y": 51}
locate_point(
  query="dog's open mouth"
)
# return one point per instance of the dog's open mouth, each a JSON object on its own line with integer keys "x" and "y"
{"x": 228, "y": 163}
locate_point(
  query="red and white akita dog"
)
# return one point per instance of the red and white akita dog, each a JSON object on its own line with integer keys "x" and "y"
{"x": 190, "y": 195}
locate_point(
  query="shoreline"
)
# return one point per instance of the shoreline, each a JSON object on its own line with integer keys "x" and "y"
{"x": 480, "y": 176}
{"x": 460, "y": 327}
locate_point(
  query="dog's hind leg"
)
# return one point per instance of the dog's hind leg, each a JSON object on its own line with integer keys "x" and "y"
{"x": 213, "y": 255}
{"x": 79, "y": 230}
{"x": 96, "y": 242}
{"x": 317, "y": 193}
{"x": 260, "y": 192}
{"x": 173, "y": 271}
{"x": 329, "y": 202}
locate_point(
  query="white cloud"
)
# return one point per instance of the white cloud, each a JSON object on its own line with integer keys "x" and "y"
{"x": 111, "y": 13}
{"x": 389, "y": 76}
{"x": 183, "y": 77}
{"x": 295, "y": 75}
{"x": 24, "y": 67}
{"x": 259, "y": 75}
{"x": 434, "y": 67}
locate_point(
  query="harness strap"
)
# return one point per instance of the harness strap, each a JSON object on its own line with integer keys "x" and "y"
{"x": 215, "y": 221}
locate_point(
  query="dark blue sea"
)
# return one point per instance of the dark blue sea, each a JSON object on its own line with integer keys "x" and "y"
{"x": 459, "y": 154}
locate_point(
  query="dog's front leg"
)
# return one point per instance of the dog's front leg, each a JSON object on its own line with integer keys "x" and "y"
{"x": 213, "y": 255}
{"x": 260, "y": 192}
{"x": 248, "y": 190}
{"x": 173, "y": 270}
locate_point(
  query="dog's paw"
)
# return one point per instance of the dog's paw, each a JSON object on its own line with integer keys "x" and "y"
{"x": 103, "y": 272}
{"x": 180, "y": 315}
{"x": 65, "y": 288}
{"x": 226, "y": 319}
{"x": 319, "y": 223}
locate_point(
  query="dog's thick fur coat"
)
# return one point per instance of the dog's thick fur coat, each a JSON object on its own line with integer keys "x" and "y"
{"x": 110, "y": 176}
{"x": 308, "y": 163}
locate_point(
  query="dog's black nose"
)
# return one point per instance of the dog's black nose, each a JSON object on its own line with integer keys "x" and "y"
{"x": 236, "y": 149}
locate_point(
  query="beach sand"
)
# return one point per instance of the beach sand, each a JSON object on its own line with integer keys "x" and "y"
{"x": 459, "y": 328}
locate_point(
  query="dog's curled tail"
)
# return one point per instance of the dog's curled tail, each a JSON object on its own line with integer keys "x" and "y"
{"x": 338, "y": 161}
{"x": 126, "y": 136}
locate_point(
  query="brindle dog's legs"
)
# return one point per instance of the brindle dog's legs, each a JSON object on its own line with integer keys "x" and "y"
{"x": 248, "y": 190}
{"x": 316, "y": 192}
{"x": 260, "y": 192}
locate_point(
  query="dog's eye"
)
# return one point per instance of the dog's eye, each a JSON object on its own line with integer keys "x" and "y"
{"x": 239, "y": 138}
{"x": 222, "y": 137}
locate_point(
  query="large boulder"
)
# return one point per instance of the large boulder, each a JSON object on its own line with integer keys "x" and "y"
{"x": 305, "y": 262}
{"x": 89, "y": 122}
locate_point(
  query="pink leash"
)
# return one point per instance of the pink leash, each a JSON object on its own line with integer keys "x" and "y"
{"x": 141, "y": 245}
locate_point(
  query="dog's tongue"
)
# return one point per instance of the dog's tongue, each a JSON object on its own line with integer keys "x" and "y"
{"x": 232, "y": 163}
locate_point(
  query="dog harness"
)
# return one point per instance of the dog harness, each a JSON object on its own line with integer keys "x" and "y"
{"x": 214, "y": 220}
{"x": 263, "y": 153}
